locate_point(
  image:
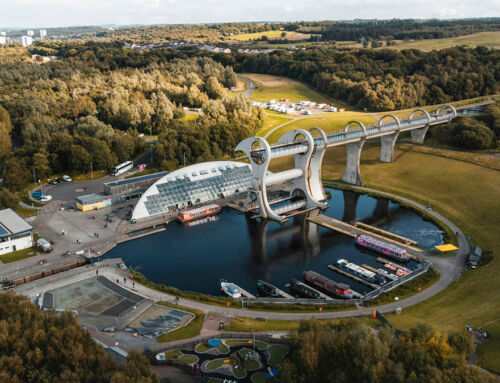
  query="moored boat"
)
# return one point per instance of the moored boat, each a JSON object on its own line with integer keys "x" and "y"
{"x": 302, "y": 289}
{"x": 267, "y": 289}
{"x": 382, "y": 247}
{"x": 338, "y": 289}
{"x": 230, "y": 289}
{"x": 360, "y": 272}
{"x": 200, "y": 212}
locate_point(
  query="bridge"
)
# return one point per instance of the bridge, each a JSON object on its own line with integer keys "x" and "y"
{"x": 308, "y": 149}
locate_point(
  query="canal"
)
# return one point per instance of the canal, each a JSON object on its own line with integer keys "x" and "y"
{"x": 242, "y": 250}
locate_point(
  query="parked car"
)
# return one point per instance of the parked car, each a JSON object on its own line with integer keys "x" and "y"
{"x": 44, "y": 245}
{"x": 45, "y": 198}
{"x": 67, "y": 179}
{"x": 55, "y": 181}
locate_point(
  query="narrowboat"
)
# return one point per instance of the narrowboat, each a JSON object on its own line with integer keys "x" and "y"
{"x": 267, "y": 289}
{"x": 381, "y": 247}
{"x": 337, "y": 289}
{"x": 302, "y": 289}
{"x": 200, "y": 212}
{"x": 360, "y": 272}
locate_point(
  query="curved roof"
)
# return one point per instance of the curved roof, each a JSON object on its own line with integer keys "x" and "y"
{"x": 193, "y": 185}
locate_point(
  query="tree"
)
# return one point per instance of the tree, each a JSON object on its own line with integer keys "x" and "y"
{"x": 213, "y": 88}
{"x": 7, "y": 199}
{"x": 80, "y": 158}
{"x": 16, "y": 175}
{"x": 41, "y": 164}
{"x": 5, "y": 129}
{"x": 52, "y": 347}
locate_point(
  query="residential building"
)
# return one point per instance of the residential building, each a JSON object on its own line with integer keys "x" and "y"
{"x": 30, "y": 33}
{"x": 15, "y": 232}
{"x": 43, "y": 33}
{"x": 25, "y": 41}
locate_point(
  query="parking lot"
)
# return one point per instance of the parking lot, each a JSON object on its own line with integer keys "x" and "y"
{"x": 304, "y": 107}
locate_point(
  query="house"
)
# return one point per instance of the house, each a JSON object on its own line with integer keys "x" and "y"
{"x": 15, "y": 232}
{"x": 475, "y": 257}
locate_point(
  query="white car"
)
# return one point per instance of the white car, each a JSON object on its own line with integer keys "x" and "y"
{"x": 45, "y": 198}
{"x": 67, "y": 179}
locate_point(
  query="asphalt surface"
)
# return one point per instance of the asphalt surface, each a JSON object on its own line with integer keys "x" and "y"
{"x": 68, "y": 191}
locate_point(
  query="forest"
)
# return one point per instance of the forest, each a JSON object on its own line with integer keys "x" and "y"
{"x": 50, "y": 347}
{"x": 352, "y": 352}
{"x": 383, "y": 80}
{"x": 69, "y": 115}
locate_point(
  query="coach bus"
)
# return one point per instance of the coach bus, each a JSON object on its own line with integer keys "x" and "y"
{"x": 122, "y": 168}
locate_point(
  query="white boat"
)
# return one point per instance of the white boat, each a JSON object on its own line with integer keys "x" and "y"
{"x": 230, "y": 289}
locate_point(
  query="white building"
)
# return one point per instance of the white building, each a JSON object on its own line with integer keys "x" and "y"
{"x": 30, "y": 33}
{"x": 43, "y": 33}
{"x": 3, "y": 40}
{"x": 25, "y": 41}
{"x": 15, "y": 232}
{"x": 3, "y": 34}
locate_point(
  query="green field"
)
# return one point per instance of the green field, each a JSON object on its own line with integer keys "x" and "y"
{"x": 18, "y": 255}
{"x": 468, "y": 195}
{"x": 487, "y": 39}
{"x": 270, "y": 123}
{"x": 271, "y": 35}
{"x": 328, "y": 124}
{"x": 276, "y": 88}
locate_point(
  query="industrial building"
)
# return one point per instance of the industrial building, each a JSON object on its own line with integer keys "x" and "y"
{"x": 15, "y": 232}
{"x": 193, "y": 185}
{"x": 118, "y": 191}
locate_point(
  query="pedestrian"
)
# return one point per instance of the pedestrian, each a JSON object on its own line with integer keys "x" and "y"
{"x": 124, "y": 280}
{"x": 133, "y": 285}
{"x": 117, "y": 281}
{"x": 96, "y": 271}
{"x": 176, "y": 300}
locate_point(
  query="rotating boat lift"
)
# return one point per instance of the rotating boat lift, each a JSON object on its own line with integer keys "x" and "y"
{"x": 308, "y": 149}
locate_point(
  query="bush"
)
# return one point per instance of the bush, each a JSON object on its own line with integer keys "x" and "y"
{"x": 470, "y": 133}
{"x": 7, "y": 199}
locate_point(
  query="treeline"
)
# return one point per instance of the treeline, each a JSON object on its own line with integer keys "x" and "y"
{"x": 471, "y": 133}
{"x": 51, "y": 347}
{"x": 382, "y": 80}
{"x": 396, "y": 29}
{"x": 349, "y": 352}
{"x": 82, "y": 111}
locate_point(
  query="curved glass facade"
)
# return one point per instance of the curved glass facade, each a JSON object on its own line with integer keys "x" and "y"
{"x": 194, "y": 185}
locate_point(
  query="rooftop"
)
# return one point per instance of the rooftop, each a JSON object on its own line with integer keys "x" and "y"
{"x": 11, "y": 223}
{"x": 91, "y": 198}
{"x": 135, "y": 179}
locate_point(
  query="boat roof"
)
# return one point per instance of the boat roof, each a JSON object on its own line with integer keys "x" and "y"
{"x": 200, "y": 209}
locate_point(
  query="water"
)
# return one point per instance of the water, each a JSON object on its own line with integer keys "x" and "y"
{"x": 242, "y": 250}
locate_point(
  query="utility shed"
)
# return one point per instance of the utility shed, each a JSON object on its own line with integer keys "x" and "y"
{"x": 475, "y": 256}
{"x": 15, "y": 232}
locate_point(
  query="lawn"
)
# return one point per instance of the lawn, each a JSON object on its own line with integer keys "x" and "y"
{"x": 468, "y": 195}
{"x": 18, "y": 255}
{"x": 189, "y": 117}
{"x": 272, "y": 122}
{"x": 276, "y": 353}
{"x": 191, "y": 330}
{"x": 487, "y": 39}
{"x": 246, "y": 342}
{"x": 276, "y": 88}
{"x": 328, "y": 124}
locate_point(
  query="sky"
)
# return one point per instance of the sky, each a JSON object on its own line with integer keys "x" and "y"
{"x": 57, "y": 13}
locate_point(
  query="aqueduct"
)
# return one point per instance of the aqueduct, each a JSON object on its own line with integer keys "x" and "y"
{"x": 308, "y": 149}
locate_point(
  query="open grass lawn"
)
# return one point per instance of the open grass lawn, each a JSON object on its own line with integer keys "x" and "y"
{"x": 18, "y": 255}
{"x": 246, "y": 342}
{"x": 466, "y": 193}
{"x": 258, "y": 377}
{"x": 487, "y": 39}
{"x": 272, "y": 122}
{"x": 328, "y": 124}
{"x": 276, "y": 88}
{"x": 276, "y": 353}
{"x": 191, "y": 330}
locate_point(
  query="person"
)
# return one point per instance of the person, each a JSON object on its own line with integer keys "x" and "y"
{"x": 117, "y": 281}
{"x": 133, "y": 285}
{"x": 176, "y": 300}
{"x": 96, "y": 271}
{"x": 124, "y": 280}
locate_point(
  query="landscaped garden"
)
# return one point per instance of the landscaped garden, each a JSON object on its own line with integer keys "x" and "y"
{"x": 233, "y": 358}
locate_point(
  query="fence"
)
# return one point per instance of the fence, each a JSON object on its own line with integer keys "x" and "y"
{"x": 190, "y": 344}
{"x": 372, "y": 294}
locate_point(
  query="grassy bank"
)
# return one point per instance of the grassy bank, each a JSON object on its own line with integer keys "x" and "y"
{"x": 465, "y": 193}
{"x": 191, "y": 330}
{"x": 18, "y": 255}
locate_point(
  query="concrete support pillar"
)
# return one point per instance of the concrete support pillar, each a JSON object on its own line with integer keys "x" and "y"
{"x": 387, "y": 147}
{"x": 352, "y": 174}
{"x": 418, "y": 135}
{"x": 382, "y": 208}
{"x": 350, "y": 204}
